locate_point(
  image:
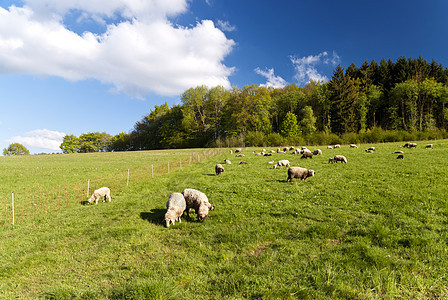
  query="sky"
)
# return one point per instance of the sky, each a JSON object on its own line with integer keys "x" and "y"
{"x": 79, "y": 66}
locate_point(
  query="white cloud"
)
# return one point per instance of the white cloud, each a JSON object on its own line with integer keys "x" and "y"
{"x": 272, "y": 80}
{"x": 306, "y": 68}
{"x": 225, "y": 26}
{"x": 40, "y": 138}
{"x": 141, "y": 53}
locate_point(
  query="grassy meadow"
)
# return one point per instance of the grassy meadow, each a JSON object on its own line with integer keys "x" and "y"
{"x": 375, "y": 228}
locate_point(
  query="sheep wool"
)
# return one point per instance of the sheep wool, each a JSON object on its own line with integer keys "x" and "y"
{"x": 298, "y": 172}
{"x": 282, "y": 163}
{"x": 175, "y": 207}
{"x": 103, "y": 192}
{"x": 219, "y": 169}
{"x": 340, "y": 158}
{"x": 198, "y": 201}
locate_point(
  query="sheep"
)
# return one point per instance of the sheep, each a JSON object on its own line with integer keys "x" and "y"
{"x": 400, "y": 156}
{"x": 227, "y": 162}
{"x": 285, "y": 149}
{"x": 243, "y": 162}
{"x": 175, "y": 207}
{"x": 230, "y": 151}
{"x": 329, "y": 147}
{"x": 369, "y": 151}
{"x": 272, "y": 151}
{"x": 330, "y": 160}
{"x": 410, "y": 145}
{"x": 298, "y": 172}
{"x": 238, "y": 150}
{"x": 219, "y": 169}
{"x": 429, "y": 146}
{"x": 337, "y": 146}
{"x": 371, "y": 148}
{"x": 198, "y": 201}
{"x": 100, "y": 193}
{"x": 307, "y": 155}
{"x": 340, "y": 158}
{"x": 259, "y": 154}
{"x": 353, "y": 146}
{"x": 317, "y": 152}
{"x": 291, "y": 148}
{"x": 398, "y": 152}
{"x": 240, "y": 155}
{"x": 282, "y": 163}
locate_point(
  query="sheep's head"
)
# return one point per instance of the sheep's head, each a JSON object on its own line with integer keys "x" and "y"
{"x": 310, "y": 173}
{"x": 202, "y": 212}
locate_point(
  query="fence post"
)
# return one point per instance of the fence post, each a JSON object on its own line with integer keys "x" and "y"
{"x": 127, "y": 182}
{"x": 88, "y": 187}
{"x": 12, "y": 208}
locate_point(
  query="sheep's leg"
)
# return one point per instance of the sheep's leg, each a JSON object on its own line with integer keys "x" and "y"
{"x": 108, "y": 197}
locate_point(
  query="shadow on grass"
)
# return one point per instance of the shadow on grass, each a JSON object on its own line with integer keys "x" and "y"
{"x": 155, "y": 216}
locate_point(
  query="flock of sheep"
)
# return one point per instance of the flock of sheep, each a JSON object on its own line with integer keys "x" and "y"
{"x": 188, "y": 199}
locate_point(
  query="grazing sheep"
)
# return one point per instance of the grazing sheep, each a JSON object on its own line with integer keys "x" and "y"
{"x": 238, "y": 150}
{"x": 353, "y": 146}
{"x": 219, "y": 169}
{"x": 329, "y": 147}
{"x": 267, "y": 154}
{"x": 397, "y": 152}
{"x": 340, "y": 158}
{"x": 285, "y": 149}
{"x": 429, "y": 146}
{"x": 272, "y": 151}
{"x": 371, "y": 148}
{"x": 100, "y": 193}
{"x": 369, "y": 151}
{"x": 291, "y": 148}
{"x": 259, "y": 154}
{"x": 330, "y": 160}
{"x": 317, "y": 152}
{"x": 282, "y": 163}
{"x": 337, "y": 146}
{"x": 298, "y": 172}
{"x": 175, "y": 207}
{"x": 230, "y": 151}
{"x": 243, "y": 162}
{"x": 198, "y": 201}
{"x": 400, "y": 156}
{"x": 307, "y": 155}
{"x": 240, "y": 155}
{"x": 410, "y": 145}
{"x": 227, "y": 162}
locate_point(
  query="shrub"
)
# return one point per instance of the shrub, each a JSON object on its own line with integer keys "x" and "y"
{"x": 274, "y": 139}
{"x": 255, "y": 138}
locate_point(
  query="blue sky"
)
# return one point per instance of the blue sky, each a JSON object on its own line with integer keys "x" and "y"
{"x": 77, "y": 66}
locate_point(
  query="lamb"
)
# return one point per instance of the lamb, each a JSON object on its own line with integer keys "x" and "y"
{"x": 227, "y": 162}
{"x": 307, "y": 154}
{"x": 340, "y": 158}
{"x": 175, "y": 207}
{"x": 410, "y": 145}
{"x": 317, "y": 152}
{"x": 330, "y": 160}
{"x": 337, "y": 146}
{"x": 398, "y": 152}
{"x": 329, "y": 147}
{"x": 238, "y": 150}
{"x": 371, "y": 148}
{"x": 100, "y": 193}
{"x": 353, "y": 146}
{"x": 219, "y": 169}
{"x": 198, "y": 201}
{"x": 429, "y": 146}
{"x": 243, "y": 162}
{"x": 282, "y": 163}
{"x": 369, "y": 151}
{"x": 240, "y": 155}
{"x": 298, "y": 172}
{"x": 285, "y": 149}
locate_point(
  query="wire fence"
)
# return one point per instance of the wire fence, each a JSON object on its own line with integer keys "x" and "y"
{"x": 19, "y": 206}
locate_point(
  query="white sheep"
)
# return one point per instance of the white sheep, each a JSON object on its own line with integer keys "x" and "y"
{"x": 353, "y": 146}
{"x": 238, "y": 150}
{"x": 337, "y": 146}
{"x": 103, "y": 192}
{"x": 329, "y": 147}
{"x": 298, "y": 172}
{"x": 227, "y": 162}
{"x": 175, "y": 207}
{"x": 282, "y": 163}
{"x": 317, "y": 152}
{"x": 199, "y": 202}
{"x": 340, "y": 158}
{"x": 371, "y": 148}
{"x": 429, "y": 146}
{"x": 219, "y": 169}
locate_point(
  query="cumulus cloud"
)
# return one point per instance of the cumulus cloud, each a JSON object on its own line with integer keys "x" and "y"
{"x": 40, "y": 138}
{"x": 141, "y": 52}
{"x": 272, "y": 80}
{"x": 307, "y": 68}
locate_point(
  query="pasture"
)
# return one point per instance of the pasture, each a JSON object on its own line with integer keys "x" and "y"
{"x": 375, "y": 228}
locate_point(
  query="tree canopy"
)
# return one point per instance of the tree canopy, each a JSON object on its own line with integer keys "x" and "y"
{"x": 15, "y": 149}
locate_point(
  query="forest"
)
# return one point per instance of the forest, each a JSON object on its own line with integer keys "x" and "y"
{"x": 385, "y": 102}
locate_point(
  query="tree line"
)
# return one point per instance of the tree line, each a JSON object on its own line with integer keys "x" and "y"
{"x": 386, "y": 101}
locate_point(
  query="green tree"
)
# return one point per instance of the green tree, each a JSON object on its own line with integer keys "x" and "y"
{"x": 308, "y": 122}
{"x": 121, "y": 142}
{"x": 94, "y": 142}
{"x": 70, "y": 144}
{"x": 15, "y": 149}
{"x": 289, "y": 127}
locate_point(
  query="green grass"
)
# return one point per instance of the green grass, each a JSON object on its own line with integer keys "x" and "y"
{"x": 372, "y": 229}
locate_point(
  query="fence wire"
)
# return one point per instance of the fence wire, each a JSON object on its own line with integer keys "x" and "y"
{"x": 20, "y": 206}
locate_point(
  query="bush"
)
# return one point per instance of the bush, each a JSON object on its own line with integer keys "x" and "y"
{"x": 274, "y": 139}
{"x": 255, "y": 139}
